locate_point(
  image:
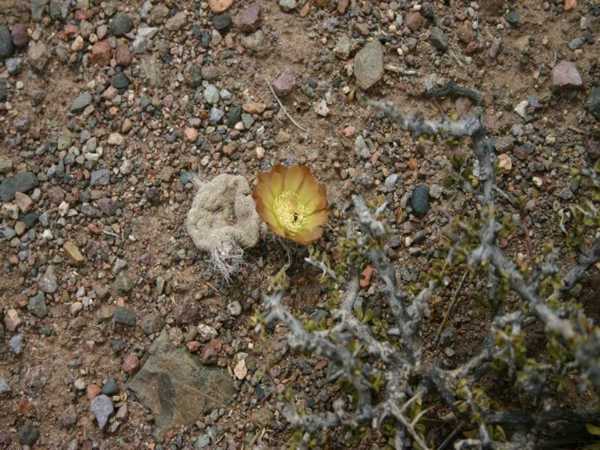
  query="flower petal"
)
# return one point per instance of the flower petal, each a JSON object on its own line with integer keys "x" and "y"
{"x": 313, "y": 195}
{"x": 263, "y": 190}
{"x": 269, "y": 217}
{"x": 273, "y": 181}
{"x": 294, "y": 177}
{"x": 308, "y": 236}
{"x": 276, "y": 183}
{"x": 287, "y": 189}
{"x": 317, "y": 219}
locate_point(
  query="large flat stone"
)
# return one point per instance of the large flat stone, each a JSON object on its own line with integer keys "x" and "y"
{"x": 177, "y": 388}
{"x": 21, "y": 182}
{"x": 368, "y": 65}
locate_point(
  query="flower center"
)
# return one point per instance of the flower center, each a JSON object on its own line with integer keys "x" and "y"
{"x": 291, "y": 214}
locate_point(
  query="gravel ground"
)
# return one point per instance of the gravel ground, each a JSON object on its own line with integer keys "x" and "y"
{"x": 109, "y": 109}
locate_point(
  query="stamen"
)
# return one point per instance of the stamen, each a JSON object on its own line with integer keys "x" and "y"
{"x": 291, "y": 214}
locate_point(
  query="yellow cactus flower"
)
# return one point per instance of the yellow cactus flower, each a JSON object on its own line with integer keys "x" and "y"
{"x": 292, "y": 202}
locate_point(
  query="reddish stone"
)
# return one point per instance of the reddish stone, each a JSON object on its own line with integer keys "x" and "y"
{"x": 219, "y": 6}
{"x": 123, "y": 56}
{"x": 473, "y": 47}
{"x": 82, "y": 14}
{"x": 193, "y": 346}
{"x": 365, "y": 276}
{"x": 414, "y": 21}
{"x": 19, "y": 35}
{"x": 71, "y": 30}
{"x": 349, "y": 131}
{"x": 24, "y": 407}
{"x": 211, "y": 351}
{"x": 131, "y": 363}
{"x": 465, "y": 32}
{"x": 305, "y": 11}
{"x": 12, "y": 321}
{"x": 56, "y": 194}
{"x": 248, "y": 19}
{"x": 93, "y": 390}
{"x": 492, "y": 7}
{"x": 285, "y": 83}
{"x": 95, "y": 228}
{"x": 565, "y": 74}
{"x": 342, "y": 6}
{"x": 101, "y": 53}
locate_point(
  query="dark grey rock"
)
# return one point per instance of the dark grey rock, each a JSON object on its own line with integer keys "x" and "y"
{"x": 390, "y": 182}
{"x": 215, "y": 115}
{"x": 4, "y": 387}
{"x": 204, "y": 36}
{"x": 419, "y": 200}
{"x": 123, "y": 284}
{"x": 234, "y": 308}
{"x": 288, "y": 5}
{"x": 121, "y": 24}
{"x": 222, "y": 22}
{"x": 593, "y": 102}
{"x": 234, "y": 115}
{"x": 247, "y": 120}
{"x": 100, "y": 177}
{"x": 37, "y": 306}
{"x": 211, "y": 94}
{"x": 19, "y": 35}
{"x": 107, "y": 206}
{"x": 16, "y": 344}
{"x": 28, "y": 434}
{"x": 202, "y": 441}
{"x": 111, "y": 387}
{"x": 7, "y": 233}
{"x": 566, "y": 193}
{"x": 210, "y": 72}
{"x": 248, "y": 19}
{"x": 6, "y": 44}
{"x": 120, "y": 81}
{"x": 38, "y": 56}
{"x": 30, "y": 219}
{"x": 439, "y": 39}
{"x": 48, "y": 282}
{"x": 13, "y": 65}
{"x": 59, "y": 9}
{"x": 38, "y": 8}
{"x": 124, "y": 316}
{"x": 143, "y": 39}
{"x": 81, "y": 102}
{"x": 361, "y": 147}
{"x": 102, "y": 408}
{"x": 368, "y": 64}
{"x": 3, "y": 90}
{"x": 513, "y": 18}
{"x": 152, "y": 323}
{"x": 194, "y": 76}
{"x": 21, "y": 182}
{"x": 577, "y": 43}
{"x": 177, "y": 388}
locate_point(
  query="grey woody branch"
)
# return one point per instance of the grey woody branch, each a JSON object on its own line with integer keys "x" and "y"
{"x": 407, "y": 377}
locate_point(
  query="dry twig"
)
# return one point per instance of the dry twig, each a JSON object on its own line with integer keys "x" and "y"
{"x": 284, "y": 109}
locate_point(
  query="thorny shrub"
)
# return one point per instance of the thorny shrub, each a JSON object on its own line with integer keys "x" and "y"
{"x": 388, "y": 384}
